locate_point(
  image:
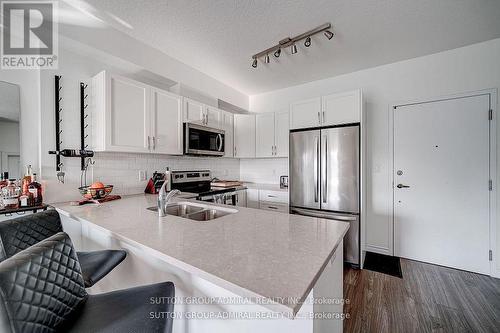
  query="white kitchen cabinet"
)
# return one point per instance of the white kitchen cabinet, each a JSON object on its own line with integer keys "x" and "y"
{"x": 305, "y": 113}
{"x": 120, "y": 114}
{"x": 275, "y": 207}
{"x": 166, "y": 122}
{"x": 272, "y": 134}
{"x": 212, "y": 117}
{"x": 273, "y": 196}
{"x": 334, "y": 109}
{"x": 281, "y": 133}
{"x": 264, "y": 134}
{"x": 342, "y": 108}
{"x": 244, "y": 135}
{"x": 130, "y": 116}
{"x": 241, "y": 198}
{"x": 194, "y": 111}
{"x": 227, "y": 124}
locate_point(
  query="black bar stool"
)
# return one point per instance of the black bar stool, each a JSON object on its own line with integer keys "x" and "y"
{"x": 42, "y": 290}
{"x": 22, "y": 232}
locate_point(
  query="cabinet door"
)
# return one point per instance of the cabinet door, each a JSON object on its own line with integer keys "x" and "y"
{"x": 241, "y": 200}
{"x": 128, "y": 117}
{"x": 244, "y": 136}
{"x": 281, "y": 133}
{"x": 306, "y": 113}
{"x": 253, "y": 198}
{"x": 194, "y": 112}
{"x": 212, "y": 117}
{"x": 227, "y": 119}
{"x": 264, "y": 133}
{"x": 166, "y": 124}
{"x": 343, "y": 108}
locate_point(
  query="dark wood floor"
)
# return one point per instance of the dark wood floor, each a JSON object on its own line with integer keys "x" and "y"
{"x": 428, "y": 298}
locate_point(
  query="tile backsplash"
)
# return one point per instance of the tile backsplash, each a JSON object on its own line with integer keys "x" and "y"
{"x": 123, "y": 169}
{"x": 263, "y": 170}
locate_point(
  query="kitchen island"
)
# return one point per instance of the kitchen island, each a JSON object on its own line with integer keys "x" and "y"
{"x": 250, "y": 270}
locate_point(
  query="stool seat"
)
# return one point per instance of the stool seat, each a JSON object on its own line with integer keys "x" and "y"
{"x": 97, "y": 264}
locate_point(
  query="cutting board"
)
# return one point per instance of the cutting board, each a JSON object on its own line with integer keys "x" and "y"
{"x": 226, "y": 183}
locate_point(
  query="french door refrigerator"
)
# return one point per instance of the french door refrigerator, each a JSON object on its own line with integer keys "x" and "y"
{"x": 324, "y": 179}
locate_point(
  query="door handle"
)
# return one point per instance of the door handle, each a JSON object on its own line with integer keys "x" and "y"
{"x": 319, "y": 117}
{"x": 154, "y": 143}
{"x": 324, "y": 168}
{"x": 402, "y": 186}
{"x": 219, "y": 138}
{"x": 316, "y": 171}
{"x": 149, "y": 142}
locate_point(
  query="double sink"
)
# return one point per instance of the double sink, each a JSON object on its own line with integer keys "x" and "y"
{"x": 196, "y": 212}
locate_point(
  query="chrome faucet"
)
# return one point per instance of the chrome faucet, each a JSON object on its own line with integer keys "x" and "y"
{"x": 164, "y": 198}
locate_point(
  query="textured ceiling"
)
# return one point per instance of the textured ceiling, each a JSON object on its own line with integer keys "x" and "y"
{"x": 218, "y": 37}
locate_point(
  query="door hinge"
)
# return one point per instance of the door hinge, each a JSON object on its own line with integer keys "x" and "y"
{"x": 491, "y": 255}
{"x": 490, "y": 185}
{"x": 490, "y": 114}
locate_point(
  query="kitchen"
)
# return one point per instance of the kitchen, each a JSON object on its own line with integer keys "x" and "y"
{"x": 147, "y": 111}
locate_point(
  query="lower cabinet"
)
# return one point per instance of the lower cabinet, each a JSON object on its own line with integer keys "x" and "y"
{"x": 277, "y": 207}
{"x": 241, "y": 198}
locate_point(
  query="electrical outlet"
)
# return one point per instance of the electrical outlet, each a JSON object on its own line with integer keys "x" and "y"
{"x": 143, "y": 175}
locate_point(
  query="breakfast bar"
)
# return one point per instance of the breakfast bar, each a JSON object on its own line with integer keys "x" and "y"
{"x": 284, "y": 270}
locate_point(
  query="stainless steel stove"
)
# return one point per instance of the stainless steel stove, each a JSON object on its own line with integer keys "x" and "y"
{"x": 199, "y": 182}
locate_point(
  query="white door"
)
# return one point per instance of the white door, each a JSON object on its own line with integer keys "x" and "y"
{"x": 166, "y": 122}
{"x": 244, "y": 136}
{"x": 342, "y": 108}
{"x": 194, "y": 112}
{"x": 264, "y": 134}
{"x": 441, "y": 152}
{"x": 212, "y": 117}
{"x": 226, "y": 119}
{"x": 281, "y": 133}
{"x": 128, "y": 122}
{"x": 306, "y": 113}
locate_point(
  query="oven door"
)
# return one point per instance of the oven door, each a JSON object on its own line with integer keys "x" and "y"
{"x": 201, "y": 140}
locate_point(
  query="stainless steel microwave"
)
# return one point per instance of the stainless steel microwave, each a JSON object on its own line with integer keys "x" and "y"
{"x": 202, "y": 140}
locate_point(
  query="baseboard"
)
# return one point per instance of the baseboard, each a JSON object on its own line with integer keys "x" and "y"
{"x": 378, "y": 249}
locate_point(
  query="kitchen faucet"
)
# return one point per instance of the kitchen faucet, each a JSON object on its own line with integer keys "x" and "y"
{"x": 164, "y": 198}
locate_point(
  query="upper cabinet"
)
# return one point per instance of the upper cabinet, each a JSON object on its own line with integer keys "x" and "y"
{"x": 130, "y": 116}
{"x": 306, "y": 113}
{"x": 335, "y": 109}
{"x": 194, "y": 112}
{"x": 343, "y": 108}
{"x": 212, "y": 117}
{"x": 272, "y": 134}
{"x": 166, "y": 122}
{"x": 227, "y": 124}
{"x": 244, "y": 136}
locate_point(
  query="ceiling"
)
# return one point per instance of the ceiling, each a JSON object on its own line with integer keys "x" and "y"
{"x": 218, "y": 37}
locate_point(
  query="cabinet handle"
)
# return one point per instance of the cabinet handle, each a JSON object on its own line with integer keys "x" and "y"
{"x": 154, "y": 143}
{"x": 319, "y": 117}
{"x": 149, "y": 142}
{"x": 235, "y": 151}
{"x": 272, "y": 207}
{"x": 323, "y": 116}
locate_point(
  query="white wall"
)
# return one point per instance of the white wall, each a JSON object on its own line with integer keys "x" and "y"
{"x": 121, "y": 170}
{"x": 465, "y": 69}
{"x": 9, "y": 137}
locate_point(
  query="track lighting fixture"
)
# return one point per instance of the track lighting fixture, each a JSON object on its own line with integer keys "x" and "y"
{"x": 307, "y": 43}
{"x": 291, "y": 42}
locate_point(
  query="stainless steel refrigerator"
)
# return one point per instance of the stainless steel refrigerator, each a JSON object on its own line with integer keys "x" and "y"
{"x": 324, "y": 179}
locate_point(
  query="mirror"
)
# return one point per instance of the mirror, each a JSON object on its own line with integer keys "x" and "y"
{"x": 9, "y": 129}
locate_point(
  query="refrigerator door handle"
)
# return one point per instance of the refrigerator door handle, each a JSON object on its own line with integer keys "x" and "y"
{"x": 324, "y": 169}
{"x": 316, "y": 190}
{"x": 324, "y": 215}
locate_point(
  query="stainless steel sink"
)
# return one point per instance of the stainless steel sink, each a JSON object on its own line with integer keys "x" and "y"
{"x": 207, "y": 215}
{"x": 195, "y": 212}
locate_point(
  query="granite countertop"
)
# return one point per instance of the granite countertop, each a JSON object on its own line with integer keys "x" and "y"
{"x": 253, "y": 253}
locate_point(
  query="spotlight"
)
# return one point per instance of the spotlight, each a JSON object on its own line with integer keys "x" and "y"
{"x": 277, "y": 53}
{"x": 307, "y": 43}
{"x": 293, "y": 48}
{"x": 254, "y": 63}
{"x": 266, "y": 59}
{"x": 328, "y": 34}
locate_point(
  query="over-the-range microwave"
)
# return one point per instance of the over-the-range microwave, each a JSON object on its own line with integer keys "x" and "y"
{"x": 202, "y": 140}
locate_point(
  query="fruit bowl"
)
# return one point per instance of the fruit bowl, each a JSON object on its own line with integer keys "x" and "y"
{"x": 90, "y": 192}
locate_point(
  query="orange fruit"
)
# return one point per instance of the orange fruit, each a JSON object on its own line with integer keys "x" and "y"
{"x": 97, "y": 186}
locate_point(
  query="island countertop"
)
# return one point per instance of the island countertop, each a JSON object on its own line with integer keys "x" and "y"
{"x": 253, "y": 253}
